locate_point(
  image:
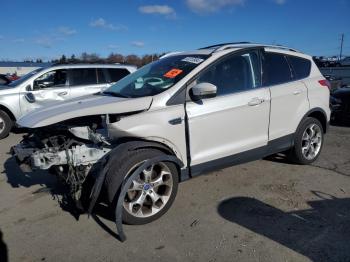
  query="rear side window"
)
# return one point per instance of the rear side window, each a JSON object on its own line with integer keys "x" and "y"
{"x": 101, "y": 78}
{"x": 301, "y": 66}
{"x": 83, "y": 76}
{"x": 115, "y": 74}
{"x": 276, "y": 69}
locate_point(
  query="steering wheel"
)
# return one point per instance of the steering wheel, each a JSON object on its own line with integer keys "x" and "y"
{"x": 154, "y": 80}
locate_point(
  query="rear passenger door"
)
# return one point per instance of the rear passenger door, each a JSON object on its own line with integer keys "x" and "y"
{"x": 86, "y": 81}
{"x": 289, "y": 101}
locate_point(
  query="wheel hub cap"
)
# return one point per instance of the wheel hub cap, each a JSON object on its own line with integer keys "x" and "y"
{"x": 150, "y": 192}
{"x": 147, "y": 187}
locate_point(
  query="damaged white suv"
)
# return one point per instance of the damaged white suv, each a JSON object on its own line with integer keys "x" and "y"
{"x": 207, "y": 109}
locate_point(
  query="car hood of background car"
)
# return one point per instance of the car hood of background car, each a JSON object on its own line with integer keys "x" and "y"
{"x": 87, "y": 106}
{"x": 5, "y": 87}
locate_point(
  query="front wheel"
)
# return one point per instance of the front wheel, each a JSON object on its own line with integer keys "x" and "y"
{"x": 5, "y": 124}
{"x": 308, "y": 142}
{"x": 152, "y": 193}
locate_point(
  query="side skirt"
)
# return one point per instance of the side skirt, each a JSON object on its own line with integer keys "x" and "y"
{"x": 273, "y": 147}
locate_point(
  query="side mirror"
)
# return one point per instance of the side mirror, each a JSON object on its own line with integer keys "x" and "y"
{"x": 28, "y": 88}
{"x": 30, "y": 97}
{"x": 202, "y": 91}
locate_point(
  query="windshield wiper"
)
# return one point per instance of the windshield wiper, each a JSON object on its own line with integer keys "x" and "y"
{"x": 114, "y": 94}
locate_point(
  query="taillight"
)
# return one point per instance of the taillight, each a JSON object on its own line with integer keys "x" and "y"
{"x": 325, "y": 83}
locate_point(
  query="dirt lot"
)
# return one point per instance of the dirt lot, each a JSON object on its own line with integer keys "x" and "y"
{"x": 266, "y": 210}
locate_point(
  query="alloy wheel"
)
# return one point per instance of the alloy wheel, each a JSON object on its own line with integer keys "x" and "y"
{"x": 311, "y": 141}
{"x": 150, "y": 192}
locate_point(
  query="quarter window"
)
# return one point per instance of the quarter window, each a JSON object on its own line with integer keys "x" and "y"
{"x": 301, "y": 66}
{"x": 276, "y": 69}
{"x": 56, "y": 78}
{"x": 83, "y": 76}
{"x": 117, "y": 73}
{"x": 234, "y": 74}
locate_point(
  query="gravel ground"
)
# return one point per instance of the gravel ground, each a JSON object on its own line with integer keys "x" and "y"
{"x": 267, "y": 210}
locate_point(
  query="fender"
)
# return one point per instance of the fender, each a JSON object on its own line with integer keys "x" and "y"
{"x": 112, "y": 182}
{"x": 8, "y": 111}
{"x": 324, "y": 122}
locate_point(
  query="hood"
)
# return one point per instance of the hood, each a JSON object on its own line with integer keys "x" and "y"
{"x": 86, "y": 106}
{"x": 5, "y": 87}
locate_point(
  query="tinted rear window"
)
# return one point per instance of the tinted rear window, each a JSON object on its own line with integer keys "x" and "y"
{"x": 301, "y": 66}
{"x": 83, "y": 76}
{"x": 116, "y": 74}
{"x": 276, "y": 69}
{"x": 101, "y": 76}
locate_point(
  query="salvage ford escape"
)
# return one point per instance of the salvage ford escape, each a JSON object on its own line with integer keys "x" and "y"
{"x": 210, "y": 108}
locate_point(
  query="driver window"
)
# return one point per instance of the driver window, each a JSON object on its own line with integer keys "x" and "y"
{"x": 56, "y": 78}
{"x": 236, "y": 73}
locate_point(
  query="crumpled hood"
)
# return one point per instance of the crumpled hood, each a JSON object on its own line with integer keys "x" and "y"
{"x": 83, "y": 106}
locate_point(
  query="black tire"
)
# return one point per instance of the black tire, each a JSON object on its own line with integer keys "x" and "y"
{"x": 295, "y": 155}
{"x": 7, "y": 122}
{"x": 124, "y": 165}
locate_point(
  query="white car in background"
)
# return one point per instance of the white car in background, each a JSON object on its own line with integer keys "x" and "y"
{"x": 58, "y": 83}
{"x": 181, "y": 116}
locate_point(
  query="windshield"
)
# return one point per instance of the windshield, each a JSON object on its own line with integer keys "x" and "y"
{"x": 156, "y": 77}
{"x": 25, "y": 77}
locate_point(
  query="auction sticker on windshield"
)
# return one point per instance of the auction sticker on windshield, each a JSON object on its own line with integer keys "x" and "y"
{"x": 173, "y": 73}
{"x": 194, "y": 60}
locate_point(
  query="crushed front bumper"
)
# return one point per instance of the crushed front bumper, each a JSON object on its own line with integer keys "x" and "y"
{"x": 30, "y": 158}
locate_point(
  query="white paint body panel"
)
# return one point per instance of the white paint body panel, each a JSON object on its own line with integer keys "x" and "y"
{"x": 289, "y": 103}
{"x": 154, "y": 125}
{"x": 227, "y": 125}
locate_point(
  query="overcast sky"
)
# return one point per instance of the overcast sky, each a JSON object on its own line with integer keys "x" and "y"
{"x": 47, "y": 29}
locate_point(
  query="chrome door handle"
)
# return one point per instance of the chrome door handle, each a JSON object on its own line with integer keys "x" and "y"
{"x": 64, "y": 93}
{"x": 296, "y": 92}
{"x": 256, "y": 101}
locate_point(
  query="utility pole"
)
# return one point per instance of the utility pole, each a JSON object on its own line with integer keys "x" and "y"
{"x": 341, "y": 46}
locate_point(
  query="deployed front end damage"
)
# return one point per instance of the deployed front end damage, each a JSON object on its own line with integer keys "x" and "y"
{"x": 71, "y": 139}
{"x": 66, "y": 150}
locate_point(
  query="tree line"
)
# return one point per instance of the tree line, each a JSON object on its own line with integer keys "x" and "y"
{"x": 111, "y": 59}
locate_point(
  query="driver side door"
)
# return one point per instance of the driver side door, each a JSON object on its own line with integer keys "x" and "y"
{"x": 236, "y": 120}
{"x": 49, "y": 88}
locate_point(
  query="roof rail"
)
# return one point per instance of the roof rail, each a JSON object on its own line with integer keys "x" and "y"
{"x": 224, "y": 44}
{"x": 221, "y": 47}
{"x": 282, "y": 47}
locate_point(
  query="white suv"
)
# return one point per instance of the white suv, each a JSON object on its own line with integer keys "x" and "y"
{"x": 176, "y": 118}
{"x": 58, "y": 83}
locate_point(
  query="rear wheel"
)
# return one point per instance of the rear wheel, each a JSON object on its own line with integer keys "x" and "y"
{"x": 308, "y": 142}
{"x": 5, "y": 124}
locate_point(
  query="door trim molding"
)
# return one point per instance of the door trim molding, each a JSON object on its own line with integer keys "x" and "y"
{"x": 273, "y": 147}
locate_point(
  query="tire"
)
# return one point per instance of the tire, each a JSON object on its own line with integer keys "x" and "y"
{"x": 6, "y": 124}
{"x": 124, "y": 166}
{"x": 299, "y": 153}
